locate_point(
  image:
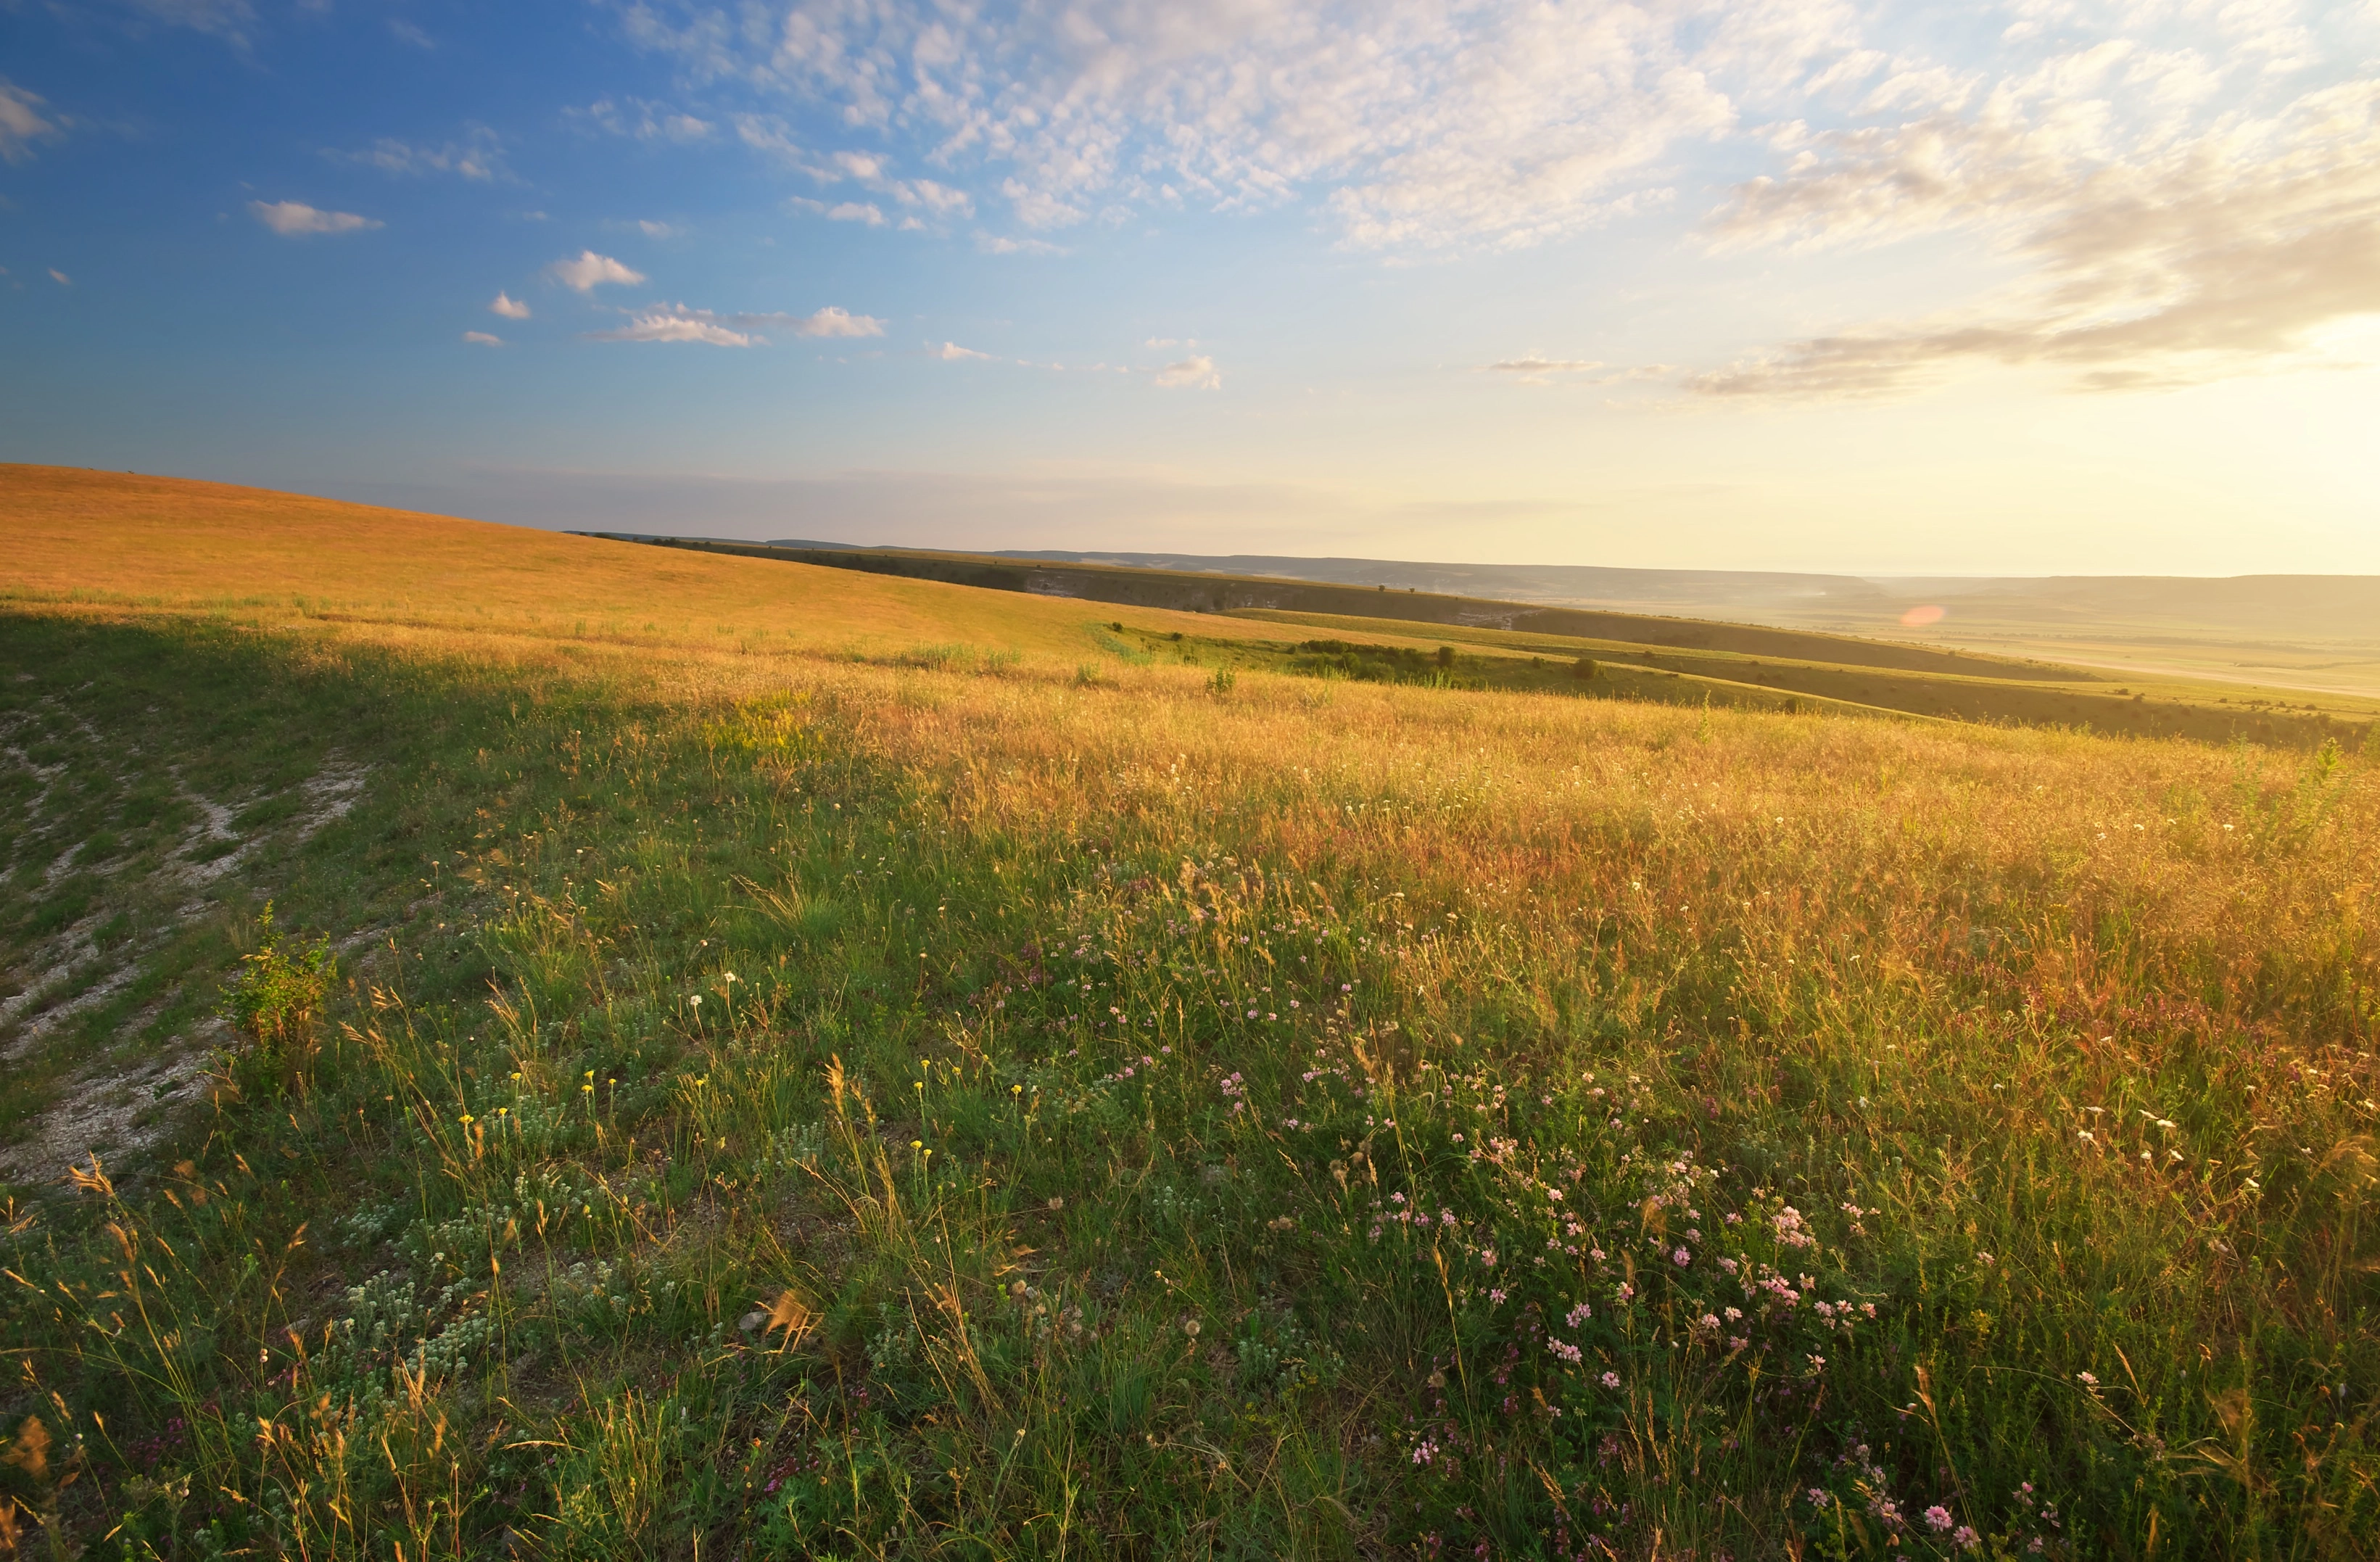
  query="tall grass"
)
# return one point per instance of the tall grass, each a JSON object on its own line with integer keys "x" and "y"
{"x": 817, "y": 1107}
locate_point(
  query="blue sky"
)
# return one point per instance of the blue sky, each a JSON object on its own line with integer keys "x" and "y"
{"x": 2042, "y": 288}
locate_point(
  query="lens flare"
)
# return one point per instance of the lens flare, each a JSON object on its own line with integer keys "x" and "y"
{"x": 1919, "y": 616}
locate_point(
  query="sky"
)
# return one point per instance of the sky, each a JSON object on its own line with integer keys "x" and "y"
{"x": 2041, "y": 287}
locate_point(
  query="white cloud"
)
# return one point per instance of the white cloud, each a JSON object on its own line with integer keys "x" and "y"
{"x": 226, "y": 18}
{"x": 407, "y": 32}
{"x": 770, "y": 136}
{"x": 863, "y": 212}
{"x": 1413, "y": 123}
{"x": 2167, "y": 261}
{"x": 951, "y": 352}
{"x": 1544, "y": 366}
{"x": 675, "y": 323}
{"x": 21, "y": 123}
{"x": 591, "y": 270}
{"x": 1190, "y": 374}
{"x": 941, "y": 200}
{"x": 642, "y": 119}
{"x": 60, "y": 277}
{"x": 832, "y": 322}
{"x": 480, "y": 156}
{"x": 997, "y": 244}
{"x": 658, "y": 230}
{"x": 678, "y": 323}
{"x": 483, "y": 339}
{"x": 295, "y": 218}
{"x": 508, "y": 307}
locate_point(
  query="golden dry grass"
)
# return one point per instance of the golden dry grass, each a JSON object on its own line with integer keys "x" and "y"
{"x": 2061, "y": 1046}
{"x": 168, "y": 542}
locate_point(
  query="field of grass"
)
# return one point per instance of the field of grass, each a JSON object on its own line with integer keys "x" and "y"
{"x": 814, "y": 1093}
{"x": 1527, "y": 646}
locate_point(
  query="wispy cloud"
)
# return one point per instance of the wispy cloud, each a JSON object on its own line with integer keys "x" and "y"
{"x": 1413, "y": 123}
{"x": 1544, "y": 366}
{"x": 60, "y": 277}
{"x": 591, "y": 270}
{"x": 23, "y": 124}
{"x": 642, "y": 119}
{"x": 678, "y": 323}
{"x": 675, "y": 323}
{"x": 407, "y": 32}
{"x": 831, "y": 322}
{"x": 2167, "y": 261}
{"x": 295, "y": 218}
{"x": 865, "y": 212}
{"x": 951, "y": 352}
{"x": 658, "y": 230}
{"x": 478, "y": 156}
{"x": 226, "y": 18}
{"x": 922, "y": 203}
{"x": 1190, "y": 374}
{"x": 508, "y": 307}
{"x": 1000, "y": 244}
{"x": 483, "y": 339}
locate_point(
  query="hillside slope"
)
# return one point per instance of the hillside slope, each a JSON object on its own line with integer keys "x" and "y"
{"x": 167, "y": 541}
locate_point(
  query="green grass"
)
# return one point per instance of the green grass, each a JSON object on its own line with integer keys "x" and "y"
{"x": 948, "y": 1108}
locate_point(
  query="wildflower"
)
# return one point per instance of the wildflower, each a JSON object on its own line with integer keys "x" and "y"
{"x": 1567, "y": 1351}
{"x": 1965, "y": 1538}
{"x": 1681, "y": 1258}
{"x": 1983, "y": 1259}
{"x": 1578, "y": 1314}
{"x": 1820, "y": 1498}
{"x": 1611, "y": 1380}
{"x": 1497, "y": 1296}
{"x": 2087, "y": 1380}
{"x": 1937, "y": 1518}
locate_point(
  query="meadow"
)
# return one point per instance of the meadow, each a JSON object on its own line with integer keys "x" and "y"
{"x": 914, "y": 1074}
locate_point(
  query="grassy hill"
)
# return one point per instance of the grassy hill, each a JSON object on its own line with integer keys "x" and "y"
{"x": 750, "y": 1080}
{"x": 1640, "y": 657}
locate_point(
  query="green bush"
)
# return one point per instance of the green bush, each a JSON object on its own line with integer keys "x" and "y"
{"x": 278, "y": 991}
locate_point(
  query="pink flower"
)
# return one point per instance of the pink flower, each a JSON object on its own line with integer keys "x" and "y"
{"x": 1965, "y": 1538}
{"x": 1681, "y": 1258}
{"x": 1938, "y": 1517}
{"x": 1611, "y": 1380}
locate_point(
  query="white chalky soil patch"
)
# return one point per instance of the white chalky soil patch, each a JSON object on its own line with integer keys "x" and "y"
{"x": 124, "y": 1100}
